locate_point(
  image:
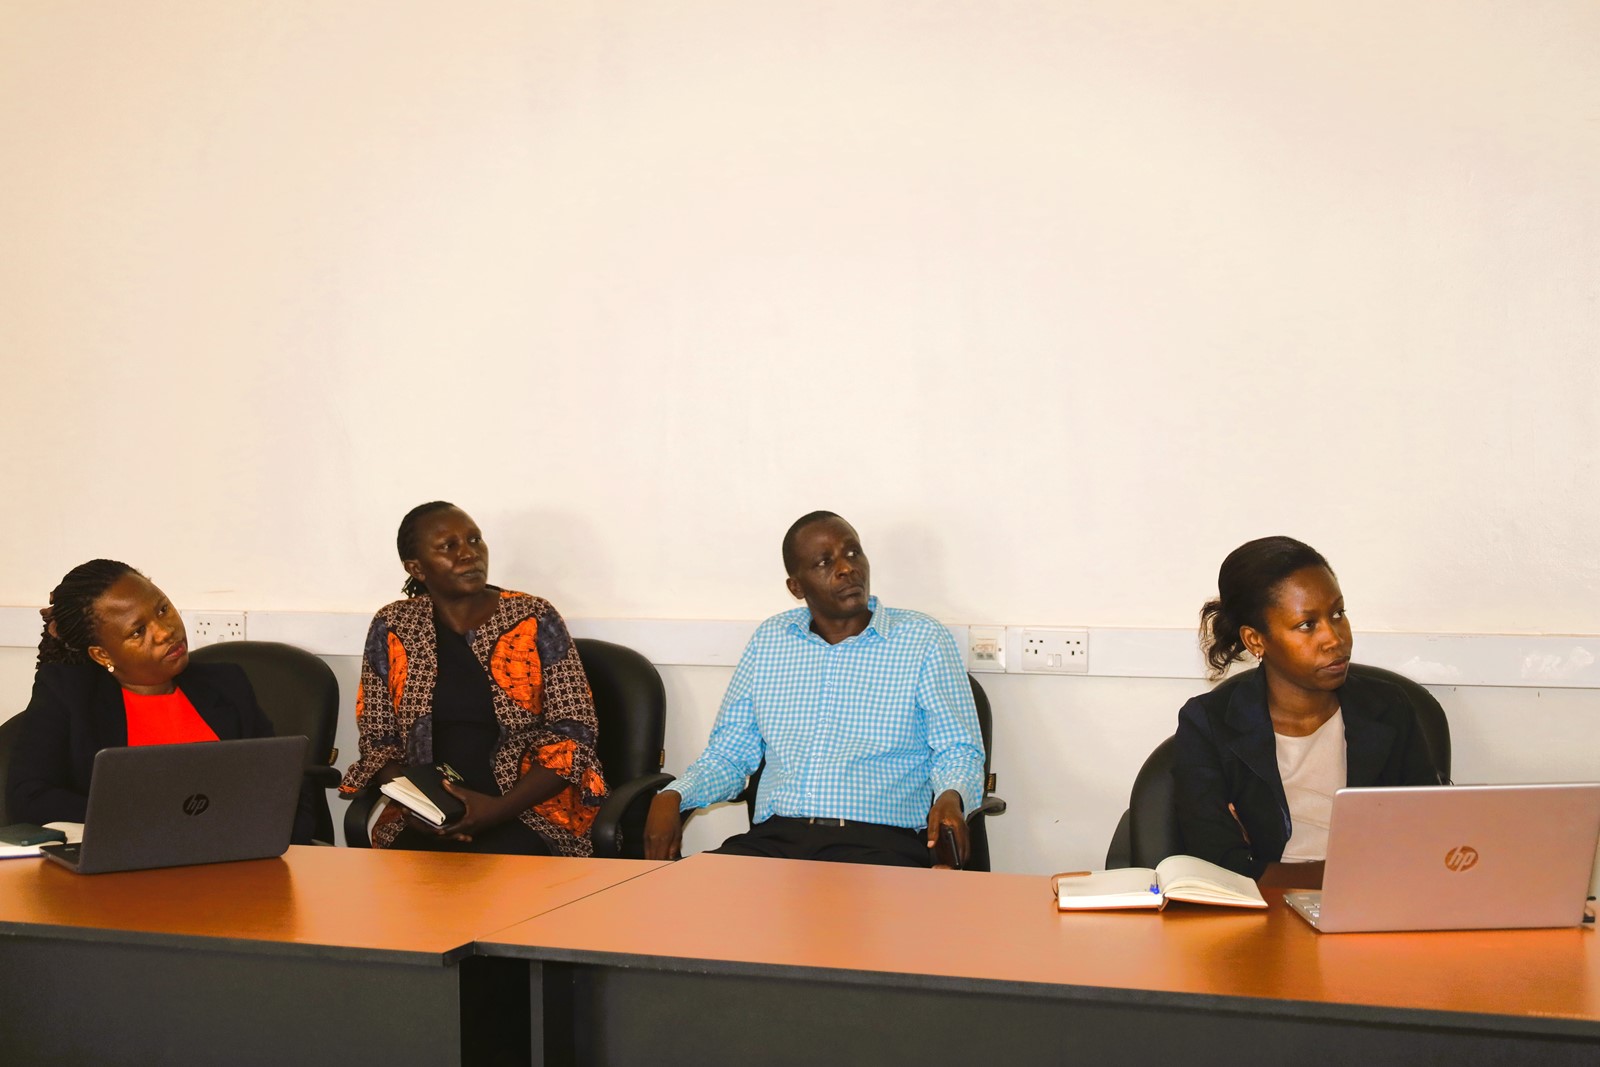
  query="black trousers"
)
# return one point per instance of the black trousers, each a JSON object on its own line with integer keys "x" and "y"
{"x": 514, "y": 838}
{"x": 780, "y": 837}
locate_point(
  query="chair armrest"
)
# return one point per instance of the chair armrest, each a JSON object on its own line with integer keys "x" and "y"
{"x": 606, "y": 832}
{"x": 356, "y": 816}
{"x": 991, "y": 805}
{"x": 323, "y": 777}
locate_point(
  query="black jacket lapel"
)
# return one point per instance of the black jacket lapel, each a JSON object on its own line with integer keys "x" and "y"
{"x": 1251, "y": 733}
{"x": 108, "y": 713}
{"x": 212, "y": 701}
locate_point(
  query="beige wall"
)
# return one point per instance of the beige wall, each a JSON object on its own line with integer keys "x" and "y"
{"x": 1058, "y": 301}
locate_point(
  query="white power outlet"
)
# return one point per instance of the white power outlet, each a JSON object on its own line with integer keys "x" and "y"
{"x": 212, "y": 627}
{"x": 1055, "y": 651}
{"x": 986, "y": 648}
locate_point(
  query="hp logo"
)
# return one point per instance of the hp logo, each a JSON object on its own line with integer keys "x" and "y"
{"x": 1462, "y": 858}
{"x": 195, "y": 803}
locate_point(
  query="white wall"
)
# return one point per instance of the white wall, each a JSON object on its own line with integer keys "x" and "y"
{"x": 1057, "y": 301}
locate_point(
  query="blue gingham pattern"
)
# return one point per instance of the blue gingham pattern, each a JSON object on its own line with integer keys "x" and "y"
{"x": 870, "y": 729}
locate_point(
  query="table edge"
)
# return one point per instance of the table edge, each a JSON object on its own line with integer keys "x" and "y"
{"x": 13, "y": 930}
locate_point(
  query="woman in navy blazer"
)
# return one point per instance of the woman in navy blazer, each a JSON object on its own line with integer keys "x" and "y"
{"x": 112, "y": 642}
{"x": 1279, "y": 602}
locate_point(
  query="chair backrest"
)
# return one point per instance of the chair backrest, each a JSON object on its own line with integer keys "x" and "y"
{"x": 1152, "y": 810}
{"x": 300, "y": 694}
{"x": 630, "y": 704}
{"x": 1153, "y": 832}
{"x": 296, "y": 690}
{"x": 1431, "y": 720}
{"x": 10, "y": 731}
{"x": 978, "y": 860}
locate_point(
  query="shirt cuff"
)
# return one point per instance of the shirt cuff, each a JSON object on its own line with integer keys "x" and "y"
{"x": 690, "y": 787}
{"x": 965, "y": 777}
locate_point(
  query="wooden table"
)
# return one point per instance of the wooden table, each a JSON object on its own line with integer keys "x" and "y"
{"x": 727, "y": 959}
{"x": 324, "y": 956}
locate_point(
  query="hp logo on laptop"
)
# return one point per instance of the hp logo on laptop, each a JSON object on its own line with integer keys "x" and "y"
{"x": 1462, "y": 858}
{"x": 195, "y": 803}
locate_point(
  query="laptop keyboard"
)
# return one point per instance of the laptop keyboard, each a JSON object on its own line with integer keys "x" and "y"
{"x": 1307, "y": 904}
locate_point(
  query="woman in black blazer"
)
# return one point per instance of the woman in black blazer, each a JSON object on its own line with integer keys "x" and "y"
{"x": 113, "y": 670}
{"x": 1279, "y": 602}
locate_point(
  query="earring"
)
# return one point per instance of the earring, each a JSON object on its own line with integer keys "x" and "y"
{"x": 111, "y": 667}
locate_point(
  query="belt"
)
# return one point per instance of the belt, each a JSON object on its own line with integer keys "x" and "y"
{"x": 811, "y": 820}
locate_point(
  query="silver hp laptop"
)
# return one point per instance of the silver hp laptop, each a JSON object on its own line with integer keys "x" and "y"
{"x": 1463, "y": 857}
{"x": 172, "y": 805}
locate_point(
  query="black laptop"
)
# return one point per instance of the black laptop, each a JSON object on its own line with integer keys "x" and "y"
{"x": 174, "y": 805}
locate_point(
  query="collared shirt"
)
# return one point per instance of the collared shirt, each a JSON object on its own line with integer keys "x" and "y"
{"x": 871, "y": 729}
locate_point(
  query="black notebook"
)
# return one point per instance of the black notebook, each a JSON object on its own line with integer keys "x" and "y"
{"x": 421, "y": 788}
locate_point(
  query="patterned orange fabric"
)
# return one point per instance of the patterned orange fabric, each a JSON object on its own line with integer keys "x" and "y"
{"x": 557, "y": 757}
{"x": 397, "y": 670}
{"x": 567, "y": 807}
{"x": 514, "y": 664}
{"x": 542, "y": 702}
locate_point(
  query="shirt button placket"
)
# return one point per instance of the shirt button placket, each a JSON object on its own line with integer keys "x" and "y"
{"x": 821, "y": 738}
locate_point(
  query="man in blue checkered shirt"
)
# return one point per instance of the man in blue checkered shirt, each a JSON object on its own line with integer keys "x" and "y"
{"x": 862, "y": 712}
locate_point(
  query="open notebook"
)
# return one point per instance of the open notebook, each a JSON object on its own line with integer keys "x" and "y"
{"x": 1186, "y": 878}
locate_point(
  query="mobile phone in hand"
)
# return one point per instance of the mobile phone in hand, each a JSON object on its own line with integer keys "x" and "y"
{"x": 26, "y": 833}
{"x": 945, "y": 851}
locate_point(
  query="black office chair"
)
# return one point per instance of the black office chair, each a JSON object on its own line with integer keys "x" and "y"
{"x": 630, "y": 706}
{"x": 300, "y": 694}
{"x": 977, "y": 818}
{"x": 1148, "y": 832}
{"x": 10, "y": 731}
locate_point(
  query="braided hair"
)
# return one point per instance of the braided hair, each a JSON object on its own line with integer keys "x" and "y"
{"x": 406, "y": 540}
{"x": 1246, "y": 584}
{"x": 70, "y": 622}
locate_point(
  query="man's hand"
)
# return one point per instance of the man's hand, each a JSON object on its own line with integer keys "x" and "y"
{"x": 946, "y": 815}
{"x": 663, "y": 827}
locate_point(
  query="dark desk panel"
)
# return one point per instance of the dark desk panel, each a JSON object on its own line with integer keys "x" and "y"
{"x": 323, "y": 956}
{"x": 723, "y": 958}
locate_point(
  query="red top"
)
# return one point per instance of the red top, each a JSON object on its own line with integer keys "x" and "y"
{"x": 164, "y": 719}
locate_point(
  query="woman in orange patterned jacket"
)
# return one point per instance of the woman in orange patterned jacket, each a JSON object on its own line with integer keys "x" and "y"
{"x": 486, "y": 680}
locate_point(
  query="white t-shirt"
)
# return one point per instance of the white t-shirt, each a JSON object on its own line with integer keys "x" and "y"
{"x": 1312, "y": 768}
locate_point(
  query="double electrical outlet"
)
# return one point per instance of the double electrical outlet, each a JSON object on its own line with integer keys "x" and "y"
{"x": 1027, "y": 650}
{"x": 213, "y": 627}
